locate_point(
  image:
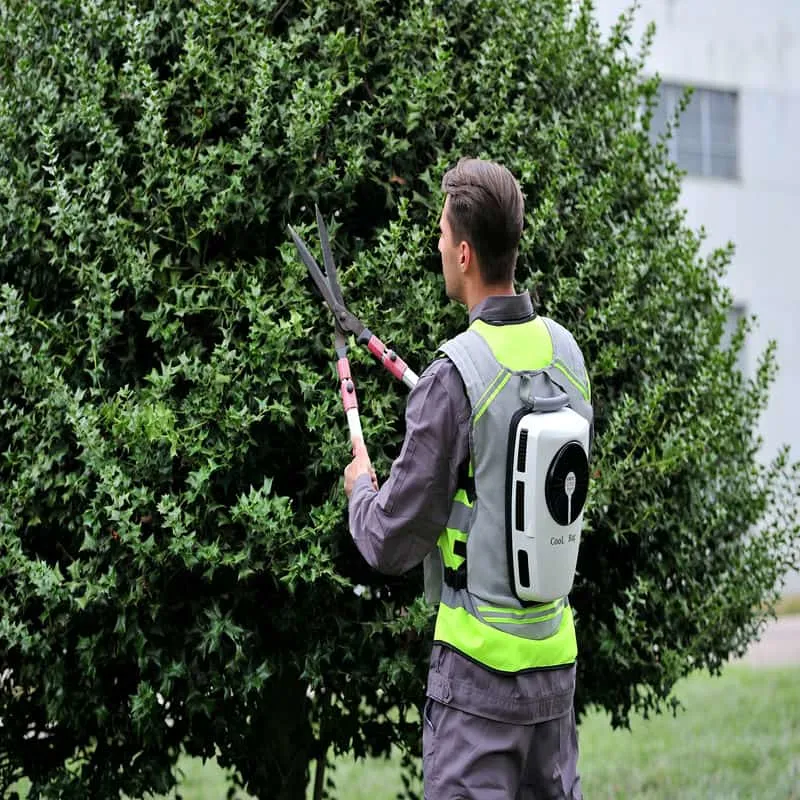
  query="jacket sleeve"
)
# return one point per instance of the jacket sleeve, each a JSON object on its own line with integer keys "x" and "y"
{"x": 397, "y": 526}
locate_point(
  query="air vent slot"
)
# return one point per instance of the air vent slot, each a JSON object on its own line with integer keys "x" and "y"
{"x": 520, "y": 506}
{"x": 522, "y": 453}
{"x": 524, "y": 572}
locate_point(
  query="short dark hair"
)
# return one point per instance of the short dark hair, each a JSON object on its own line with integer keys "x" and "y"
{"x": 486, "y": 209}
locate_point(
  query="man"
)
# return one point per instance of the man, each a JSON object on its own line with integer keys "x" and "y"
{"x": 499, "y": 720}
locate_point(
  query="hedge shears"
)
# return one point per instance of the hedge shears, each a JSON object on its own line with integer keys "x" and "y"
{"x": 346, "y": 323}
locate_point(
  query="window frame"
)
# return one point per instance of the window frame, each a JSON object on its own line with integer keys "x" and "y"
{"x": 669, "y": 96}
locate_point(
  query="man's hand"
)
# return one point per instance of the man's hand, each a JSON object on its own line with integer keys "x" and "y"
{"x": 360, "y": 465}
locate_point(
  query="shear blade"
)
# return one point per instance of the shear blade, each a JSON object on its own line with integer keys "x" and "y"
{"x": 311, "y": 265}
{"x": 327, "y": 258}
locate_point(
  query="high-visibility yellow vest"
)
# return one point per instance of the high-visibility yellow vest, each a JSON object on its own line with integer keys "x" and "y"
{"x": 479, "y": 614}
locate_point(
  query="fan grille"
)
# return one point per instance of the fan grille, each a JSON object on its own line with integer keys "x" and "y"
{"x": 567, "y": 483}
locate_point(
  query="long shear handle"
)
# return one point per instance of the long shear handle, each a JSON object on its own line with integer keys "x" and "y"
{"x": 388, "y": 358}
{"x": 349, "y": 400}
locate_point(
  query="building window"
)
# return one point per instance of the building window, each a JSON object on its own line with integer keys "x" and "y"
{"x": 707, "y": 141}
{"x": 736, "y": 313}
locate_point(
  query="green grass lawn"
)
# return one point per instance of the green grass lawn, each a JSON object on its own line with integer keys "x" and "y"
{"x": 738, "y": 738}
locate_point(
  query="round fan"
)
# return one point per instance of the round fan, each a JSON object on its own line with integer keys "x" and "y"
{"x": 567, "y": 483}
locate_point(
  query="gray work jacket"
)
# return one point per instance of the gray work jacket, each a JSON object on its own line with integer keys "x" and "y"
{"x": 397, "y": 526}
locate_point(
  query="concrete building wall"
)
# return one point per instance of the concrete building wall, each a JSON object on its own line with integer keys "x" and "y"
{"x": 752, "y": 49}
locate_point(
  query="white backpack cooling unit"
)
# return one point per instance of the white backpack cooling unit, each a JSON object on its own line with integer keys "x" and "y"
{"x": 548, "y": 483}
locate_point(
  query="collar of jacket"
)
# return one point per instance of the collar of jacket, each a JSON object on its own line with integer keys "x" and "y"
{"x": 504, "y": 309}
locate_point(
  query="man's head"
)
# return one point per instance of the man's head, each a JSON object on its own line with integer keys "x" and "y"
{"x": 481, "y": 224}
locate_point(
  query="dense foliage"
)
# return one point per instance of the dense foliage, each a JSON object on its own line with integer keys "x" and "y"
{"x": 175, "y": 567}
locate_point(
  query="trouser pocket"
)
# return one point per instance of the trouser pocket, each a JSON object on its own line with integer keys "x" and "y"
{"x": 430, "y": 767}
{"x": 428, "y": 713}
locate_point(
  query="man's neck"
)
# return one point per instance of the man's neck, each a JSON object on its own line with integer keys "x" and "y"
{"x": 477, "y": 294}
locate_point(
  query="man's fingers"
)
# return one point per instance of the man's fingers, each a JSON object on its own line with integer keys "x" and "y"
{"x": 359, "y": 448}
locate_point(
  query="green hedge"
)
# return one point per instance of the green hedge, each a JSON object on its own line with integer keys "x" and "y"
{"x": 175, "y": 567}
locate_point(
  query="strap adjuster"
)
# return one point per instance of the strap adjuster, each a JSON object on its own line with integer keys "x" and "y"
{"x": 456, "y": 578}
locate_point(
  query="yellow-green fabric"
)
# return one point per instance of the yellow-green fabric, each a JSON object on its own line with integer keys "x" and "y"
{"x": 504, "y": 652}
{"x": 526, "y": 346}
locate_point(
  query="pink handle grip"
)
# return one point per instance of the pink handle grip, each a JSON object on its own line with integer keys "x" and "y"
{"x": 348, "y": 389}
{"x": 388, "y": 358}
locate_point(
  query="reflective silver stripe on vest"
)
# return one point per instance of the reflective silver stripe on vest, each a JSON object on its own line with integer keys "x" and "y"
{"x": 433, "y": 576}
{"x": 537, "y": 629}
{"x": 529, "y": 614}
{"x": 460, "y": 516}
{"x": 540, "y": 622}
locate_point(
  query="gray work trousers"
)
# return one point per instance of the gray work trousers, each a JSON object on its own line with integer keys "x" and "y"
{"x": 467, "y": 757}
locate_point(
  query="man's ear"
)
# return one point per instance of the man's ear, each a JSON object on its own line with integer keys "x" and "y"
{"x": 465, "y": 256}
